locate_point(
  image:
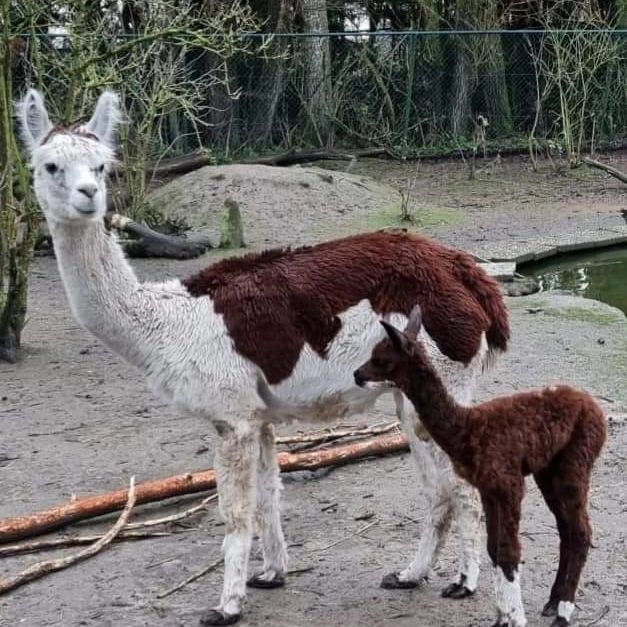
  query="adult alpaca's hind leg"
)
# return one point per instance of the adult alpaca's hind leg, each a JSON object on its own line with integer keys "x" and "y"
{"x": 269, "y": 515}
{"x": 235, "y": 462}
{"x": 440, "y": 506}
{"x": 434, "y": 532}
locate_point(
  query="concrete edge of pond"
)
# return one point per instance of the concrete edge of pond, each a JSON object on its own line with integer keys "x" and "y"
{"x": 559, "y": 249}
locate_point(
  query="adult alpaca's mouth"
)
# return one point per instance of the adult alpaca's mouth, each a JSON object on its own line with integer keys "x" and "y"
{"x": 86, "y": 212}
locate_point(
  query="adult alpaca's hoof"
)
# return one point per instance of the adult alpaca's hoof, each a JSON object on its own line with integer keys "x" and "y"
{"x": 550, "y": 609}
{"x": 457, "y": 591}
{"x": 218, "y": 617}
{"x": 560, "y": 621}
{"x": 258, "y": 581}
{"x": 392, "y": 582}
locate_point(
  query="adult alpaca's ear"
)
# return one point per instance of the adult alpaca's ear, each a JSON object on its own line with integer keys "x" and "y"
{"x": 33, "y": 119}
{"x": 414, "y": 323}
{"x": 399, "y": 340}
{"x": 105, "y": 118}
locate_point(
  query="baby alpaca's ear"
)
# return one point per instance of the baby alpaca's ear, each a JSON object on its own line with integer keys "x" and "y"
{"x": 399, "y": 340}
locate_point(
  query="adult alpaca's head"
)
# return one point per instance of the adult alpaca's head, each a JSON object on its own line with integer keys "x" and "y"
{"x": 70, "y": 164}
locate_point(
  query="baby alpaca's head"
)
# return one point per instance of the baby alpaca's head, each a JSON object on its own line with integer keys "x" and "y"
{"x": 390, "y": 356}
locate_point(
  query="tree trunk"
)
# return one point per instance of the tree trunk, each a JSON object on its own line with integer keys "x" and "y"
{"x": 18, "y": 225}
{"x": 462, "y": 86}
{"x": 318, "y": 75}
{"x": 270, "y": 85}
{"x": 494, "y": 86}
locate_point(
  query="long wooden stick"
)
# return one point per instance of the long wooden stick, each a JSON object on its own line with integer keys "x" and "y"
{"x": 39, "y": 569}
{"x": 31, "y": 546}
{"x": 621, "y": 176}
{"x": 80, "y": 509}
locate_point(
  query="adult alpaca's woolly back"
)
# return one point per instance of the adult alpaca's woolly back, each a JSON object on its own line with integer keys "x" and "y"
{"x": 295, "y": 297}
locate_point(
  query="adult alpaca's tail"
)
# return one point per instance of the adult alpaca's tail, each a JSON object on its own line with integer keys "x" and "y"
{"x": 487, "y": 292}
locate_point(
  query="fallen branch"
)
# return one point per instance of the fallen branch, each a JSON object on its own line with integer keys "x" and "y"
{"x": 80, "y": 509}
{"x": 329, "y": 435}
{"x": 62, "y": 543}
{"x": 352, "y": 535}
{"x": 191, "y": 578}
{"x": 38, "y": 570}
{"x": 593, "y": 163}
{"x": 150, "y": 243}
{"x": 174, "y": 517}
{"x": 176, "y": 166}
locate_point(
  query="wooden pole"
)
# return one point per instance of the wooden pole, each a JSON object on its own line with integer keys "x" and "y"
{"x": 20, "y": 527}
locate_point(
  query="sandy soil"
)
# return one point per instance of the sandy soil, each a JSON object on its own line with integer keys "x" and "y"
{"x": 77, "y": 420}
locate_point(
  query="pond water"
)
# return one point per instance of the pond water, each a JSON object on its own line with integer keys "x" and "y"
{"x": 601, "y": 274}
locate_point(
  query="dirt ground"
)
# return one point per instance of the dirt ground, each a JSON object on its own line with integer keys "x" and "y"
{"x": 77, "y": 420}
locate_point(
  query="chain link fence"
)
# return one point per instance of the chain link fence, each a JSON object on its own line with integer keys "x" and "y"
{"x": 429, "y": 91}
{"x": 413, "y": 92}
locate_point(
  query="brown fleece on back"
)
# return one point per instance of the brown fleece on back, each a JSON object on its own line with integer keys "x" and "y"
{"x": 276, "y": 301}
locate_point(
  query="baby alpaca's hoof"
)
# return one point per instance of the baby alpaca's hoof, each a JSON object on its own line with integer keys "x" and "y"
{"x": 457, "y": 591}
{"x": 392, "y": 582}
{"x": 218, "y": 617}
{"x": 258, "y": 581}
{"x": 560, "y": 621}
{"x": 550, "y": 609}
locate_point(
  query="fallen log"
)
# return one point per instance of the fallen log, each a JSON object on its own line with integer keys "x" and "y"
{"x": 593, "y": 163}
{"x": 154, "y": 244}
{"x": 21, "y": 527}
{"x": 175, "y": 166}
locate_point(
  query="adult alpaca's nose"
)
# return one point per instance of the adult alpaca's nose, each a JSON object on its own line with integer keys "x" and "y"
{"x": 88, "y": 189}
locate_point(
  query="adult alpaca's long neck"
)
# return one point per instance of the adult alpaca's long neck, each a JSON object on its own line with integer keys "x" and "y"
{"x": 445, "y": 420}
{"x": 100, "y": 284}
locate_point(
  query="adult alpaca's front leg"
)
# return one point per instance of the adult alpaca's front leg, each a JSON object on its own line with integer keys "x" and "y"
{"x": 467, "y": 508}
{"x": 269, "y": 515}
{"x": 236, "y": 468}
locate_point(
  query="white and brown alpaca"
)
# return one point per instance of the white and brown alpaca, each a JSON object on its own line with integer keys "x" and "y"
{"x": 296, "y": 323}
{"x": 555, "y": 434}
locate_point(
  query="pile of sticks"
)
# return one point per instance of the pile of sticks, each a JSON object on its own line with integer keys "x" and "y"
{"x": 306, "y": 451}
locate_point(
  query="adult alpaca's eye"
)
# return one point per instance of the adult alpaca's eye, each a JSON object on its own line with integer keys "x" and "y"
{"x": 51, "y": 168}
{"x": 100, "y": 169}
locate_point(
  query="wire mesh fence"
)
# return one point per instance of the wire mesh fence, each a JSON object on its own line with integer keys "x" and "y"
{"x": 410, "y": 91}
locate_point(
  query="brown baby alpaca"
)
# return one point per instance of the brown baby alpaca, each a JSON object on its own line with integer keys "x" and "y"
{"x": 555, "y": 434}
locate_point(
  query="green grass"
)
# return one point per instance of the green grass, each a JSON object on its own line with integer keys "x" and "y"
{"x": 391, "y": 217}
{"x": 583, "y": 314}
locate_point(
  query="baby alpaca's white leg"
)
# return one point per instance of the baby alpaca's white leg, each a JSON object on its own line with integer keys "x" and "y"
{"x": 269, "y": 515}
{"x": 509, "y": 599}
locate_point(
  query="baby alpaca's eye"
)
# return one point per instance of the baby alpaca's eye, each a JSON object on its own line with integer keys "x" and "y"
{"x": 51, "y": 168}
{"x": 100, "y": 168}
{"x": 377, "y": 363}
